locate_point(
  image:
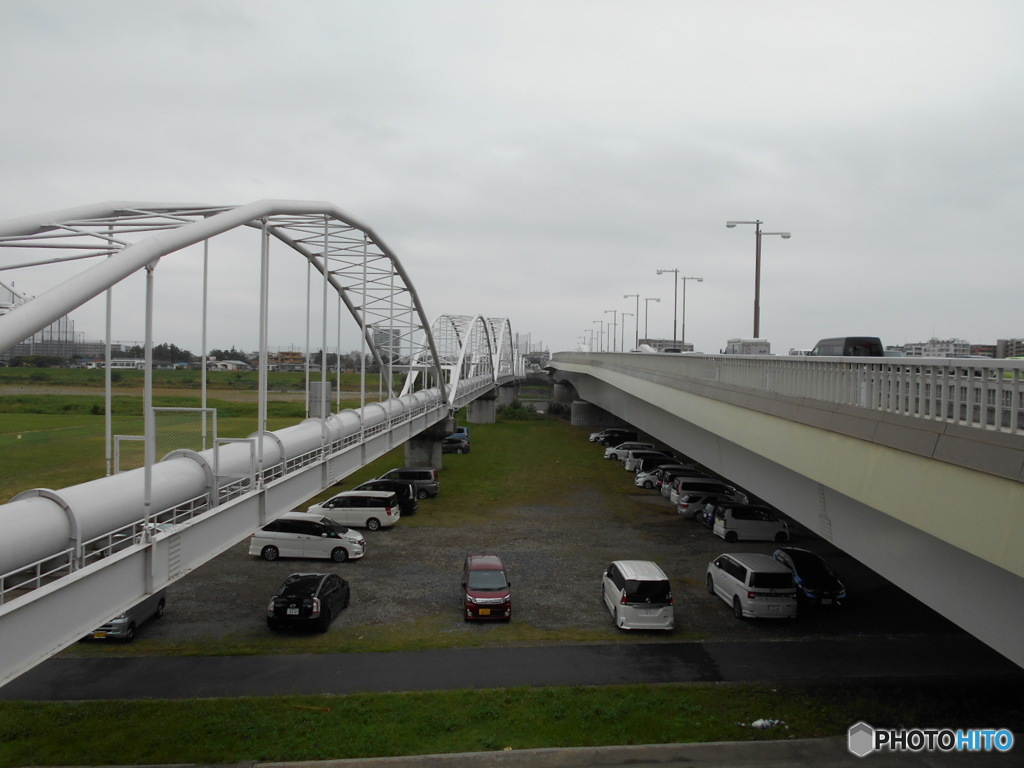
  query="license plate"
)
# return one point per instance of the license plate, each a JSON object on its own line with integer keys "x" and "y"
{"x": 99, "y": 635}
{"x": 649, "y": 612}
{"x": 773, "y": 608}
{"x": 292, "y": 611}
{"x": 826, "y": 601}
{"x": 485, "y": 611}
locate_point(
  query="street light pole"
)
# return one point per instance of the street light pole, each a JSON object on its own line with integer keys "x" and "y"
{"x": 647, "y": 314}
{"x": 622, "y": 333}
{"x": 600, "y": 336}
{"x": 757, "y": 267}
{"x": 636, "y": 341}
{"x": 615, "y": 319}
{"x": 682, "y": 341}
{"x": 675, "y": 302}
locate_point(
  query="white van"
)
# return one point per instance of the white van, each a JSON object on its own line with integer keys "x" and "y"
{"x": 638, "y": 595}
{"x": 749, "y": 521}
{"x": 688, "y": 485}
{"x": 756, "y": 586}
{"x": 365, "y": 509}
{"x": 296, "y": 534}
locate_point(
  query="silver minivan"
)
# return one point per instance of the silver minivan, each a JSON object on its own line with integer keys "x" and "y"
{"x": 751, "y": 522}
{"x": 638, "y": 595}
{"x": 124, "y": 625}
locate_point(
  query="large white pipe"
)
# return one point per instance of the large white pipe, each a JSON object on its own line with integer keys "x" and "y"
{"x": 41, "y": 523}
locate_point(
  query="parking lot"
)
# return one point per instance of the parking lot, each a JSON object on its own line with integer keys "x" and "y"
{"x": 555, "y": 556}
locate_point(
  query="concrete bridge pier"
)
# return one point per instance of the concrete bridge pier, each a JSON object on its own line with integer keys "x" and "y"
{"x": 584, "y": 414}
{"x": 424, "y": 450}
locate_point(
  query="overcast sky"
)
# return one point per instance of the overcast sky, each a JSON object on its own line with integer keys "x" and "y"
{"x": 540, "y": 160}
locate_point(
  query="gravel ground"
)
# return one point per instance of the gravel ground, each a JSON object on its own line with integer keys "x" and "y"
{"x": 554, "y": 560}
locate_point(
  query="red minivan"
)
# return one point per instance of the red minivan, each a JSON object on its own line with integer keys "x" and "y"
{"x": 486, "y": 592}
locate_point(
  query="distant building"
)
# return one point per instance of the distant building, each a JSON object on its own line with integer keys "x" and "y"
{"x": 1010, "y": 348}
{"x": 938, "y": 348}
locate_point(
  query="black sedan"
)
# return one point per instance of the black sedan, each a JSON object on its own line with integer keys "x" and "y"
{"x": 308, "y": 600}
{"x": 816, "y": 582}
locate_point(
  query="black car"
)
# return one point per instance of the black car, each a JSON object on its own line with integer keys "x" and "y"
{"x": 404, "y": 491}
{"x": 816, "y": 582}
{"x": 308, "y": 600}
{"x": 455, "y": 444}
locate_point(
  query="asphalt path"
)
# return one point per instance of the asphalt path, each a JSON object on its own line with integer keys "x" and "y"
{"x": 941, "y": 657}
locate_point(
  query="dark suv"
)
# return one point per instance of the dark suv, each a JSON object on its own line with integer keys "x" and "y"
{"x": 486, "y": 592}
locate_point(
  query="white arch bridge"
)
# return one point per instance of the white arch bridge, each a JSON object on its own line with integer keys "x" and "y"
{"x": 72, "y": 558}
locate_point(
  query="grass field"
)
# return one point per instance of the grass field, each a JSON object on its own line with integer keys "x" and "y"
{"x": 230, "y": 731}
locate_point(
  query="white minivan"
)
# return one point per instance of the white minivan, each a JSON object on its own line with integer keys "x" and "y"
{"x": 753, "y": 522}
{"x": 638, "y": 595}
{"x": 296, "y": 534}
{"x": 756, "y": 586}
{"x": 365, "y": 509}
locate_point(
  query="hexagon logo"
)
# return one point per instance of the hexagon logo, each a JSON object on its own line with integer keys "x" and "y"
{"x": 861, "y": 739}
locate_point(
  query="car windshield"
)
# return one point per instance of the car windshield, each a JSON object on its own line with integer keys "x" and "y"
{"x": 336, "y": 527}
{"x": 648, "y": 591}
{"x": 812, "y": 567}
{"x": 486, "y": 581}
{"x": 300, "y": 585}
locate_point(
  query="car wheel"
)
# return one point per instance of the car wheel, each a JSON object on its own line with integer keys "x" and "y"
{"x": 129, "y": 634}
{"x": 711, "y": 585}
{"x": 373, "y": 524}
{"x": 731, "y": 536}
{"x": 270, "y": 553}
{"x": 648, "y": 484}
{"x": 159, "y": 610}
{"x": 325, "y": 621}
{"x": 781, "y": 536}
{"x": 459, "y": 450}
{"x": 737, "y": 608}
{"x": 421, "y": 494}
{"x": 614, "y": 457}
{"x": 339, "y": 554}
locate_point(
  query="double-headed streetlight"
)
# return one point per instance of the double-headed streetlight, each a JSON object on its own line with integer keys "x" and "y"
{"x": 675, "y": 301}
{"x": 636, "y": 341}
{"x": 757, "y": 268}
{"x": 682, "y": 341}
{"x": 615, "y": 320}
{"x": 647, "y": 314}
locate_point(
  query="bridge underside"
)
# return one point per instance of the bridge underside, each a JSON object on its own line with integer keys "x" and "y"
{"x": 948, "y": 535}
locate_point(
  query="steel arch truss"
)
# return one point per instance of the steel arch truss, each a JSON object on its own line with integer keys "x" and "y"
{"x": 474, "y": 352}
{"x": 126, "y": 237}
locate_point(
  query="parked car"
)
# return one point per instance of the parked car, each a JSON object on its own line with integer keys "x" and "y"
{"x": 671, "y": 489}
{"x": 693, "y": 504}
{"x": 613, "y": 436}
{"x": 298, "y": 534}
{"x": 124, "y": 626}
{"x": 486, "y": 590}
{"x": 365, "y": 509}
{"x": 423, "y": 479}
{"x": 309, "y": 600}
{"x": 455, "y": 444}
{"x": 630, "y": 460}
{"x": 461, "y": 432}
{"x": 638, "y": 595}
{"x": 755, "y": 586}
{"x": 708, "y": 485}
{"x": 652, "y": 475}
{"x": 735, "y": 521}
{"x": 618, "y": 452}
{"x": 404, "y": 491}
{"x": 816, "y": 582}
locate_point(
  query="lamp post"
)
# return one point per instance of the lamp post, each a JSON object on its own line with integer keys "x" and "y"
{"x": 600, "y": 336}
{"x": 591, "y": 332}
{"x": 615, "y": 318}
{"x": 622, "y": 333}
{"x": 647, "y": 314}
{"x": 757, "y": 267}
{"x": 636, "y": 341}
{"x": 675, "y": 301}
{"x": 682, "y": 341}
